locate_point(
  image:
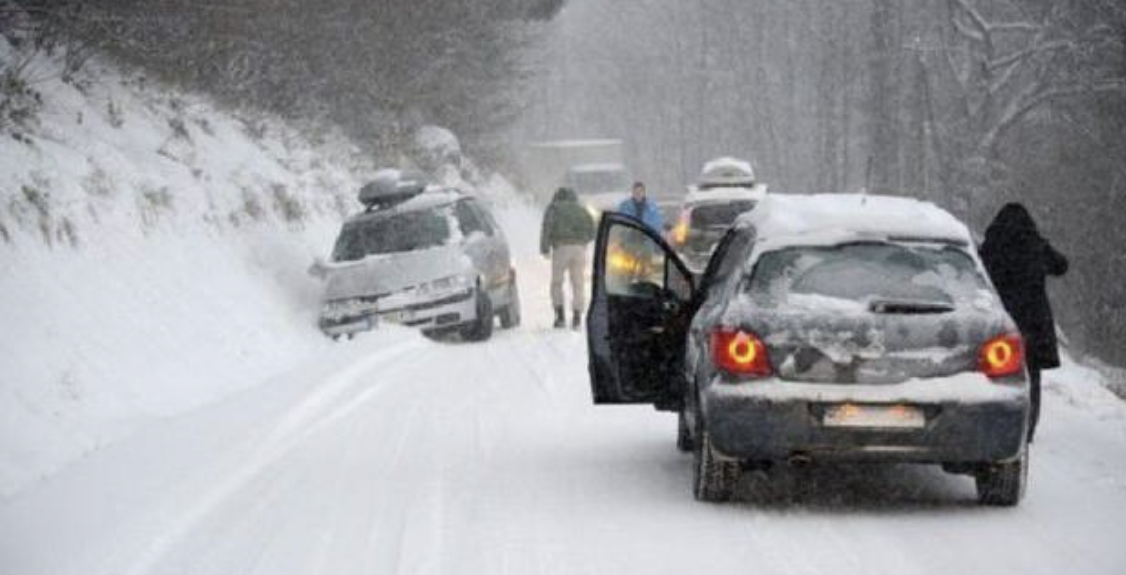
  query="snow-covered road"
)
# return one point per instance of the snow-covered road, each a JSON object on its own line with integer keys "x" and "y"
{"x": 394, "y": 454}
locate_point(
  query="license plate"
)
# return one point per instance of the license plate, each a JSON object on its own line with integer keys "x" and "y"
{"x": 874, "y": 416}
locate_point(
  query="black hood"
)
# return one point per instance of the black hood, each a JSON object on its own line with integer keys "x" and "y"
{"x": 1013, "y": 228}
{"x": 564, "y": 195}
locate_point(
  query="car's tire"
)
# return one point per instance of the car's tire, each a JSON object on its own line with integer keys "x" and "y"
{"x": 714, "y": 479}
{"x": 510, "y": 315}
{"x": 1003, "y": 484}
{"x": 683, "y": 435}
{"x": 481, "y": 329}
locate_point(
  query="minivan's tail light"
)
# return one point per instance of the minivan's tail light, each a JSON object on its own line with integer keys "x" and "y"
{"x": 680, "y": 230}
{"x": 1002, "y": 356}
{"x": 740, "y": 353}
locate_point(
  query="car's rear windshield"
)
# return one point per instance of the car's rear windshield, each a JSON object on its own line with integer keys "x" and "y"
{"x": 719, "y": 215}
{"x": 403, "y": 232}
{"x": 860, "y": 275}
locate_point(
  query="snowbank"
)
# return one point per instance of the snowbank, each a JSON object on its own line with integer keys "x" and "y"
{"x": 152, "y": 257}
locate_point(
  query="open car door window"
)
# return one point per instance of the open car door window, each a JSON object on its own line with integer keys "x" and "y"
{"x": 640, "y": 309}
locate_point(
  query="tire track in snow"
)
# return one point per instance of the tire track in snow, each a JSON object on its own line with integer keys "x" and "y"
{"x": 301, "y": 421}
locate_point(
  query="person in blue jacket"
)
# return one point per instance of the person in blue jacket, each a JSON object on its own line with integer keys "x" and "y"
{"x": 639, "y": 207}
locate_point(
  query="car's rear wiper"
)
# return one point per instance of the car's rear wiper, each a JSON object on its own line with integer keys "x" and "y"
{"x": 893, "y": 306}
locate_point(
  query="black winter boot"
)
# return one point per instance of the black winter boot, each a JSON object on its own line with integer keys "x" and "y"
{"x": 560, "y": 322}
{"x": 576, "y": 320}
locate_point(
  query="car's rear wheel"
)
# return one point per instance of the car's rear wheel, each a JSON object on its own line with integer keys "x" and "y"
{"x": 714, "y": 479}
{"x": 1003, "y": 484}
{"x": 510, "y": 315}
{"x": 481, "y": 328}
{"x": 683, "y": 435}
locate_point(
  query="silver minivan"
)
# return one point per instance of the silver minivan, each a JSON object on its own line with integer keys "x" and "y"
{"x": 422, "y": 256}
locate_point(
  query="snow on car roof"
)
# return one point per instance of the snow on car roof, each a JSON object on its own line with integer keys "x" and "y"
{"x": 833, "y": 218}
{"x": 727, "y": 170}
{"x": 723, "y": 194}
{"x": 728, "y": 164}
{"x": 434, "y": 196}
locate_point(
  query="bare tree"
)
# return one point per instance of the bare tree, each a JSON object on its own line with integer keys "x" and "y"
{"x": 1002, "y": 68}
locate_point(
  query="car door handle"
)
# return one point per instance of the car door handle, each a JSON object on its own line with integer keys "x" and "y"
{"x": 657, "y": 329}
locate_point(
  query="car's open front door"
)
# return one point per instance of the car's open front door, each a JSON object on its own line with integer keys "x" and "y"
{"x": 639, "y": 313}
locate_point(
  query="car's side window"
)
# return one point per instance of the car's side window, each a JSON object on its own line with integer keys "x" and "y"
{"x": 708, "y": 277}
{"x": 724, "y": 260}
{"x": 468, "y": 219}
{"x": 729, "y": 261}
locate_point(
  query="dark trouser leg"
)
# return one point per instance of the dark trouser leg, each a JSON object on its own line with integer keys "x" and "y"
{"x": 1034, "y": 417}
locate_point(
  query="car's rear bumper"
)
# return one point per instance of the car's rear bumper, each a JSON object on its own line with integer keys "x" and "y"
{"x": 968, "y": 418}
{"x": 444, "y": 312}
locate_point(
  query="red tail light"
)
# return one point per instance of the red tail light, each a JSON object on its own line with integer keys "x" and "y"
{"x": 740, "y": 353}
{"x": 1002, "y": 356}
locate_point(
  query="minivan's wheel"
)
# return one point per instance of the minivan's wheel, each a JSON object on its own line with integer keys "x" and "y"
{"x": 683, "y": 436}
{"x": 482, "y": 328}
{"x": 1003, "y": 484}
{"x": 510, "y": 315}
{"x": 714, "y": 480}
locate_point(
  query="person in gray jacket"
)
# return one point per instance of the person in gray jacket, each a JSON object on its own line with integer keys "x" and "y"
{"x": 566, "y": 231}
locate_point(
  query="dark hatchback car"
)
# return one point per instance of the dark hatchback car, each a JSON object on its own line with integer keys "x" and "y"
{"x": 828, "y": 327}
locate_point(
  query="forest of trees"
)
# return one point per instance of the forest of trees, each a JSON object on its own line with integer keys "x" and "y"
{"x": 377, "y": 68}
{"x": 968, "y": 103}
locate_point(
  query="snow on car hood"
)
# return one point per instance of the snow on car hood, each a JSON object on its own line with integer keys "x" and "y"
{"x": 386, "y": 274}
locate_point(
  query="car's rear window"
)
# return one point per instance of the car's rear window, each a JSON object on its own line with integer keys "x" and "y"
{"x": 719, "y": 215}
{"x": 858, "y": 275}
{"x": 403, "y": 232}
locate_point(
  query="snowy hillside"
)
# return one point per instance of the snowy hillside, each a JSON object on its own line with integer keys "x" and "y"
{"x": 153, "y": 250}
{"x": 140, "y": 224}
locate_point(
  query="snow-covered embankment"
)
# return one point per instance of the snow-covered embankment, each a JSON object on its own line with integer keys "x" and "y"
{"x": 152, "y": 257}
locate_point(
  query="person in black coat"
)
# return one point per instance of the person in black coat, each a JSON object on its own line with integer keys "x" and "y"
{"x": 1019, "y": 260}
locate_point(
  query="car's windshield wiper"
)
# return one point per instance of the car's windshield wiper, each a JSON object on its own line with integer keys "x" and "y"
{"x": 893, "y": 306}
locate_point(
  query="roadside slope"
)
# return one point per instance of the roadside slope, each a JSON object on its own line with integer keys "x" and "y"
{"x": 152, "y": 256}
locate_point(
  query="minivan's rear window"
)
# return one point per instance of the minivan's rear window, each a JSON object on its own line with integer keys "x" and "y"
{"x": 862, "y": 274}
{"x": 403, "y": 232}
{"x": 719, "y": 215}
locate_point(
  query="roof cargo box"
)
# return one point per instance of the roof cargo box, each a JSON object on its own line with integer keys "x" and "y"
{"x": 391, "y": 187}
